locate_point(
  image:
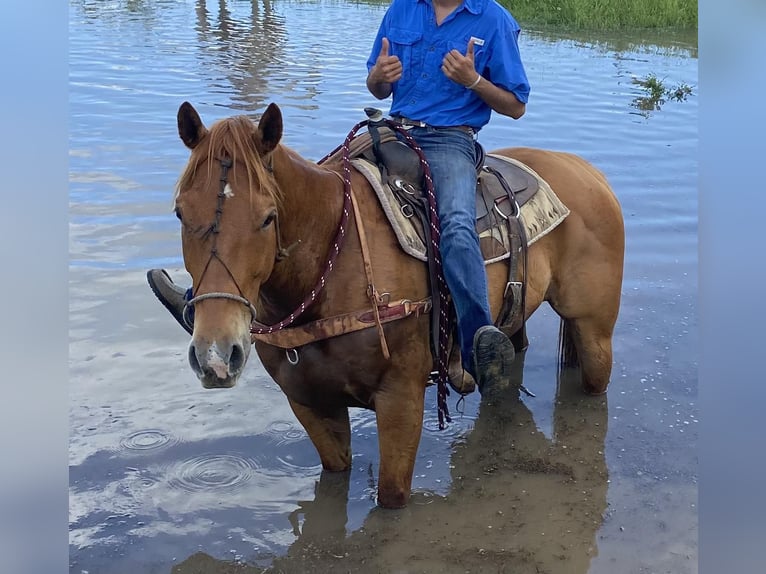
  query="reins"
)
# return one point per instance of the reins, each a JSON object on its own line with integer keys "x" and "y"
{"x": 440, "y": 373}
{"x": 259, "y": 328}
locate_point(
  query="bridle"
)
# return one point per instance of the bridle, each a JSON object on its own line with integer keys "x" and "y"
{"x": 281, "y": 253}
{"x": 215, "y": 229}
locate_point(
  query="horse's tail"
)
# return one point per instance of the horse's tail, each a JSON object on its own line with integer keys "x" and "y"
{"x": 567, "y": 350}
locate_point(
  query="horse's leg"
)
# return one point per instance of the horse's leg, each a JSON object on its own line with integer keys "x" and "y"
{"x": 330, "y": 432}
{"x": 588, "y": 308}
{"x": 399, "y": 413}
{"x": 589, "y": 312}
{"x": 592, "y": 338}
{"x": 582, "y": 274}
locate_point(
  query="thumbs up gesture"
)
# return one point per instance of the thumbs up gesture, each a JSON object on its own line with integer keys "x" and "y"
{"x": 387, "y": 68}
{"x": 461, "y": 68}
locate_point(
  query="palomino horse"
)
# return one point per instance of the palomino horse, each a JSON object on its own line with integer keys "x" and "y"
{"x": 244, "y": 196}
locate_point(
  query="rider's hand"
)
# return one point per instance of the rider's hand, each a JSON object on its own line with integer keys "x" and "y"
{"x": 387, "y": 69}
{"x": 460, "y": 68}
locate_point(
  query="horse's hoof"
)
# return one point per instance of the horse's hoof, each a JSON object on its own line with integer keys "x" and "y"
{"x": 393, "y": 500}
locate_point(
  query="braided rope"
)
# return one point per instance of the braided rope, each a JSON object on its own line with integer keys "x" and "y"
{"x": 259, "y": 328}
{"x": 440, "y": 374}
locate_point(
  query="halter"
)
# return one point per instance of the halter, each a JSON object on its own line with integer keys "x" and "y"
{"x": 215, "y": 228}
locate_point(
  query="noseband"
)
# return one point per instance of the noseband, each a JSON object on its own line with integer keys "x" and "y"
{"x": 215, "y": 229}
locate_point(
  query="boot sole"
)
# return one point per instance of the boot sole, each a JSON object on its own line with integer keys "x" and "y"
{"x": 162, "y": 299}
{"x": 493, "y": 357}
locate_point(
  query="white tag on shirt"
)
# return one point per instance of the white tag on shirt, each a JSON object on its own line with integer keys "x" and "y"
{"x": 477, "y": 41}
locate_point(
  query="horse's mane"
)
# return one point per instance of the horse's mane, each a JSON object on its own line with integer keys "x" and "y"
{"x": 233, "y": 137}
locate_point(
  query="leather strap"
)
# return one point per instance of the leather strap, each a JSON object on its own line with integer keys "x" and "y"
{"x": 418, "y": 204}
{"x": 512, "y": 312}
{"x": 372, "y": 293}
{"x": 297, "y": 336}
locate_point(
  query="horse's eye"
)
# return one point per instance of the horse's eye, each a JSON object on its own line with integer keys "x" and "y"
{"x": 178, "y": 214}
{"x": 269, "y": 220}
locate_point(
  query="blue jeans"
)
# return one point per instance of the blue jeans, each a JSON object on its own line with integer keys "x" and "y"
{"x": 451, "y": 155}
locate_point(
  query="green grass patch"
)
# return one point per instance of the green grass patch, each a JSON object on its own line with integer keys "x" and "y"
{"x": 656, "y": 93}
{"x": 605, "y": 14}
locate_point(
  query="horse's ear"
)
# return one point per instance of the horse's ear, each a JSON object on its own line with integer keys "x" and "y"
{"x": 270, "y": 127}
{"x": 190, "y": 126}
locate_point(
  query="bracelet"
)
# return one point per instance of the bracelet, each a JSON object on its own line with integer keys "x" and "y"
{"x": 476, "y": 83}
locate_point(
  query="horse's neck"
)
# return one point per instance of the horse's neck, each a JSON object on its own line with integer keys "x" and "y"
{"x": 310, "y": 210}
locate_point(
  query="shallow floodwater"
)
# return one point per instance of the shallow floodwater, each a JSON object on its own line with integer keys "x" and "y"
{"x": 167, "y": 477}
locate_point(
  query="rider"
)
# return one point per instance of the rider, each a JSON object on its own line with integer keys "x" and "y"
{"x": 448, "y": 65}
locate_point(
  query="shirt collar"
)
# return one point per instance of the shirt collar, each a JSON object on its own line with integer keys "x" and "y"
{"x": 473, "y": 6}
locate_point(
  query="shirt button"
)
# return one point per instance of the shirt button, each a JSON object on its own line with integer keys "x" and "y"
{"x": 425, "y": 75}
{"x": 431, "y": 49}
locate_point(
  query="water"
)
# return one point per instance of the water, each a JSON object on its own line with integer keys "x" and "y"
{"x": 165, "y": 476}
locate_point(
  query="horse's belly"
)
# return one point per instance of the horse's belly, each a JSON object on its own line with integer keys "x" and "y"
{"x": 318, "y": 380}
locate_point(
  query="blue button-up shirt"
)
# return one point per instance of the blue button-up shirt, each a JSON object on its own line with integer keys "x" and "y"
{"x": 423, "y": 92}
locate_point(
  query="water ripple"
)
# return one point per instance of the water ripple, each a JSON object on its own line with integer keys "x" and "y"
{"x": 147, "y": 439}
{"x": 461, "y": 424}
{"x": 285, "y": 432}
{"x": 219, "y": 472}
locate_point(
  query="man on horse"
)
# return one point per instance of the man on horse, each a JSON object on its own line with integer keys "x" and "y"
{"x": 448, "y": 65}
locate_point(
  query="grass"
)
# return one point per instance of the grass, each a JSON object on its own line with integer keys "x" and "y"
{"x": 657, "y": 93}
{"x": 605, "y": 14}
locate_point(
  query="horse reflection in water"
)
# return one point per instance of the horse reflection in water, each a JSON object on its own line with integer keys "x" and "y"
{"x": 245, "y": 199}
{"x": 518, "y": 503}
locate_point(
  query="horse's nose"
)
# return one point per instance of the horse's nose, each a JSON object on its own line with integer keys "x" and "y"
{"x": 236, "y": 359}
{"x": 194, "y": 361}
{"x": 216, "y": 364}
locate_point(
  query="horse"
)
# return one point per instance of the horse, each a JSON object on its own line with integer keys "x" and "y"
{"x": 262, "y": 242}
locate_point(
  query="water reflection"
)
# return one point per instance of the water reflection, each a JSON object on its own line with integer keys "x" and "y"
{"x": 244, "y": 49}
{"x": 656, "y": 94}
{"x": 679, "y": 43}
{"x": 519, "y": 502}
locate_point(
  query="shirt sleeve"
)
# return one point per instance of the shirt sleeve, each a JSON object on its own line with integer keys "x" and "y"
{"x": 505, "y": 68}
{"x": 376, "y": 45}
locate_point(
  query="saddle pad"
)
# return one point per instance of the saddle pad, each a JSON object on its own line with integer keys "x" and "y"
{"x": 540, "y": 215}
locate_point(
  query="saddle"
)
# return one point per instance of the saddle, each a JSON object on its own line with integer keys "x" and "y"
{"x": 501, "y": 189}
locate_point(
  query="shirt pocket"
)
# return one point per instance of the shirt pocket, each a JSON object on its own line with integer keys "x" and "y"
{"x": 407, "y": 46}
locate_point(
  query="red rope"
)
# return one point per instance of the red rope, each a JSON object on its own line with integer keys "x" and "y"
{"x": 260, "y": 328}
{"x": 439, "y": 374}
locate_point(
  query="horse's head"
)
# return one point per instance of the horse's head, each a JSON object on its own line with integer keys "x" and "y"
{"x": 227, "y": 204}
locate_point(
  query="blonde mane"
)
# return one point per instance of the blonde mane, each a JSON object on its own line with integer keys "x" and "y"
{"x": 236, "y": 138}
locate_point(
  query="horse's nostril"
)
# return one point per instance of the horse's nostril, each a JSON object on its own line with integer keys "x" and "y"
{"x": 193, "y": 360}
{"x": 237, "y": 359}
